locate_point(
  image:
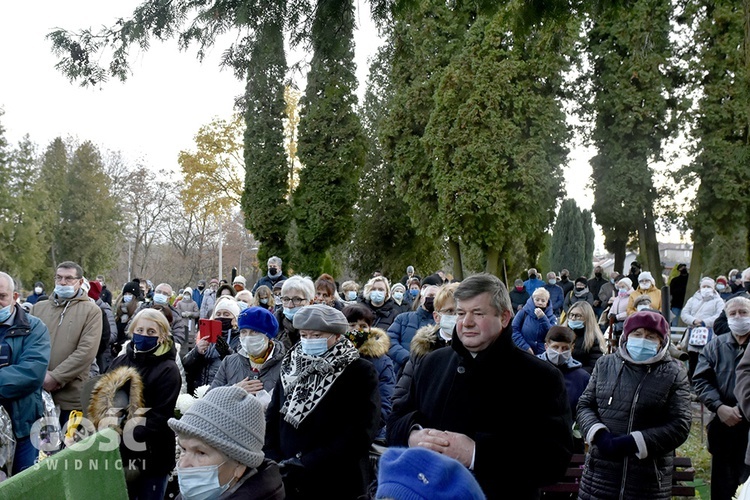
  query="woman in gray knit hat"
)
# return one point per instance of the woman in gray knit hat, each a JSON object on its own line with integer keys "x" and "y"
{"x": 221, "y": 439}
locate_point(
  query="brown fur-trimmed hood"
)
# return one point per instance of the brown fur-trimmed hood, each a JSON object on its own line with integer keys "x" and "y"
{"x": 103, "y": 394}
{"x": 426, "y": 340}
{"x": 376, "y": 345}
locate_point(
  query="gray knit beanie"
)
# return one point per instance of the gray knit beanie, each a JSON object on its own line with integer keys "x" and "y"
{"x": 228, "y": 419}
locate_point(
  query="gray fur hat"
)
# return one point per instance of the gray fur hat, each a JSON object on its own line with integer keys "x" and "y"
{"x": 228, "y": 419}
{"x": 321, "y": 318}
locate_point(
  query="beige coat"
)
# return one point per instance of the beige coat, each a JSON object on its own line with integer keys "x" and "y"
{"x": 75, "y": 328}
{"x": 653, "y": 293}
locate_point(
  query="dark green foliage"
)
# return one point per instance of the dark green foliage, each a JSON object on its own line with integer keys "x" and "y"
{"x": 267, "y": 212}
{"x": 629, "y": 93}
{"x": 331, "y": 141}
{"x": 569, "y": 241}
{"x": 383, "y": 236}
{"x": 720, "y": 129}
{"x": 497, "y": 135}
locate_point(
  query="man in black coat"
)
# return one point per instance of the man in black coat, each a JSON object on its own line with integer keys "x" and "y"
{"x": 451, "y": 405}
{"x": 677, "y": 289}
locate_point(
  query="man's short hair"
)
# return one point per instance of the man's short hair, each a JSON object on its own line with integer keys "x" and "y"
{"x": 69, "y": 264}
{"x": 356, "y": 312}
{"x": 166, "y": 285}
{"x": 746, "y": 274}
{"x": 274, "y": 260}
{"x": 409, "y": 269}
{"x": 11, "y": 282}
{"x": 560, "y": 333}
{"x": 478, "y": 284}
{"x": 736, "y": 302}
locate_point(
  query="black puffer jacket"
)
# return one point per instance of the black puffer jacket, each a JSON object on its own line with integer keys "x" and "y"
{"x": 624, "y": 396}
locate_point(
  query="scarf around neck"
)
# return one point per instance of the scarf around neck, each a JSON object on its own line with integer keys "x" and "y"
{"x": 306, "y": 379}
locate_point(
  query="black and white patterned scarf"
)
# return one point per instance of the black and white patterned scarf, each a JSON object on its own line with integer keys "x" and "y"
{"x": 306, "y": 379}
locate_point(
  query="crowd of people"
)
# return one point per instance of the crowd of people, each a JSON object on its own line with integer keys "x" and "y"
{"x": 466, "y": 389}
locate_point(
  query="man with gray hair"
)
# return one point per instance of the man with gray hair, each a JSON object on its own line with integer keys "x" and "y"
{"x": 162, "y": 296}
{"x": 274, "y": 274}
{"x": 451, "y": 403}
{"x": 24, "y": 355}
{"x": 75, "y": 330}
{"x": 720, "y": 324}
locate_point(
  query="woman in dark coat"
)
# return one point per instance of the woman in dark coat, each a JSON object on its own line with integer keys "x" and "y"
{"x": 325, "y": 411}
{"x": 152, "y": 353}
{"x": 634, "y": 413}
{"x": 377, "y": 296}
{"x": 590, "y": 343}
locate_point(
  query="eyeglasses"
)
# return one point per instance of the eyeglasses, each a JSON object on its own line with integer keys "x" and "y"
{"x": 447, "y": 312}
{"x": 66, "y": 279}
{"x": 575, "y": 316}
{"x": 296, "y": 301}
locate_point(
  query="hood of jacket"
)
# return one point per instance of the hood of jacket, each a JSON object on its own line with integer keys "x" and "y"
{"x": 60, "y": 302}
{"x": 570, "y": 364}
{"x": 529, "y": 307}
{"x": 426, "y": 340}
{"x": 376, "y": 345}
{"x": 105, "y": 392}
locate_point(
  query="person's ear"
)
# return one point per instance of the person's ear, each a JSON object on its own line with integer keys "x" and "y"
{"x": 436, "y": 316}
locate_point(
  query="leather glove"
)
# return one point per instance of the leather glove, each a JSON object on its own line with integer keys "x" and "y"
{"x": 615, "y": 446}
{"x": 222, "y": 347}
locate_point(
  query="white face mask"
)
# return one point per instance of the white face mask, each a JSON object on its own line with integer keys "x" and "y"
{"x": 645, "y": 285}
{"x": 38, "y": 290}
{"x": 447, "y": 322}
{"x": 707, "y": 292}
{"x": 641, "y": 307}
{"x": 200, "y": 483}
{"x": 740, "y": 325}
{"x": 254, "y": 345}
{"x": 558, "y": 358}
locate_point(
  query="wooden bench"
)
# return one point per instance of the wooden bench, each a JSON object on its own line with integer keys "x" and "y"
{"x": 683, "y": 472}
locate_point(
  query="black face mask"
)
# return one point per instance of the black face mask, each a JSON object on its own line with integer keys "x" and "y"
{"x": 598, "y": 275}
{"x": 429, "y": 304}
{"x": 683, "y": 272}
{"x": 533, "y": 276}
{"x": 201, "y": 287}
{"x": 564, "y": 277}
{"x": 226, "y": 324}
{"x": 580, "y": 289}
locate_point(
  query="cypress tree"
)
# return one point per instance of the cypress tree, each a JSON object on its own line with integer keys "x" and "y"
{"x": 264, "y": 203}
{"x": 568, "y": 247}
{"x": 332, "y": 145}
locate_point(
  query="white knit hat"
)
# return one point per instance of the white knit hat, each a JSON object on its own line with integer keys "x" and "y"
{"x": 227, "y": 302}
{"x": 228, "y": 419}
{"x": 645, "y": 275}
{"x": 706, "y": 280}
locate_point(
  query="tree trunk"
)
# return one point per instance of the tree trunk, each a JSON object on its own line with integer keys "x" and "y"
{"x": 492, "y": 255}
{"x": 454, "y": 249}
{"x": 620, "y": 249}
{"x": 652, "y": 244}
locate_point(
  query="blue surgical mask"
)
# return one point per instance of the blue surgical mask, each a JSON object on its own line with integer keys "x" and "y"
{"x": 144, "y": 343}
{"x": 413, "y": 292}
{"x": 160, "y": 299}
{"x": 264, "y": 301}
{"x": 398, "y": 295}
{"x": 290, "y": 312}
{"x": 314, "y": 347}
{"x": 552, "y": 281}
{"x": 575, "y": 324}
{"x": 200, "y": 483}
{"x": 351, "y": 295}
{"x": 5, "y": 313}
{"x": 127, "y": 298}
{"x": 641, "y": 349}
{"x": 65, "y": 291}
{"x": 377, "y": 297}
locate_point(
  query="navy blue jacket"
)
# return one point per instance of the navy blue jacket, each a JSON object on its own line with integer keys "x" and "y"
{"x": 528, "y": 330}
{"x": 556, "y": 298}
{"x": 401, "y": 332}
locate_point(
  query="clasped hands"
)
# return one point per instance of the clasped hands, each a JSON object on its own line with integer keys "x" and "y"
{"x": 451, "y": 444}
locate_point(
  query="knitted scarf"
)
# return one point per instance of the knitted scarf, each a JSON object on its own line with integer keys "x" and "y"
{"x": 306, "y": 379}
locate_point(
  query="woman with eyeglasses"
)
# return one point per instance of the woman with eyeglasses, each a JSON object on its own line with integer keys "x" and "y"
{"x": 296, "y": 292}
{"x": 325, "y": 411}
{"x": 589, "y": 344}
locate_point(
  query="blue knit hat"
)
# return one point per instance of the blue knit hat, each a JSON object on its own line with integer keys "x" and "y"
{"x": 421, "y": 474}
{"x": 260, "y": 320}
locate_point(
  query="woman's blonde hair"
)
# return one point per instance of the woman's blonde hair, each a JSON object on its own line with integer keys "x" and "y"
{"x": 165, "y": 331}
{"x": 269, "y": 296}
{"x": 445, "y": 296}
{"x": 372, "y": 281}
{"x": 592, "y": 332}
